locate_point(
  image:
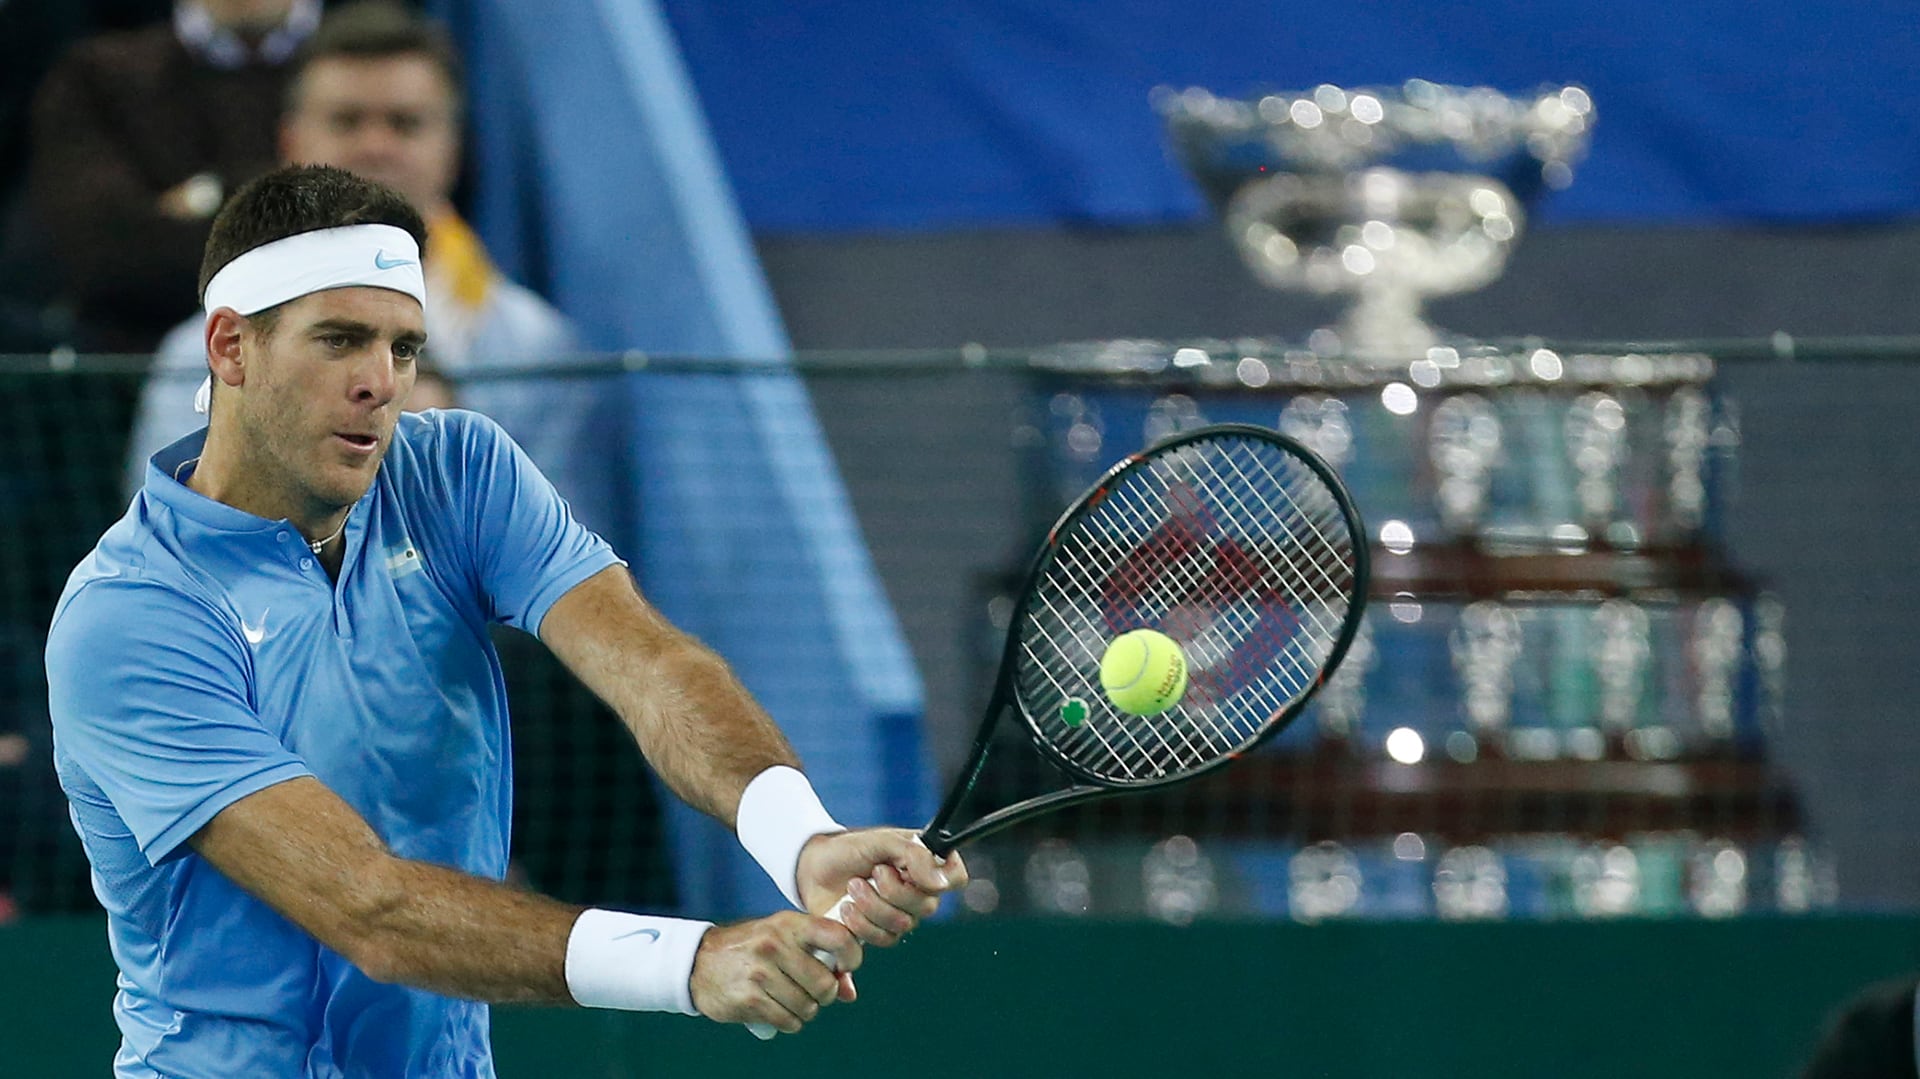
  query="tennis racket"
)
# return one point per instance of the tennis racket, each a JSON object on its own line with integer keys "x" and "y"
{"x": 1238, "y": 543}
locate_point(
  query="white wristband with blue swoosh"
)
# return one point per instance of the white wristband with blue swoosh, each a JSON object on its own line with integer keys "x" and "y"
{"x": 633, "y": 962}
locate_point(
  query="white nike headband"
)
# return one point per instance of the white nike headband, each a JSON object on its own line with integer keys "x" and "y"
{"x": 374, "y": 256}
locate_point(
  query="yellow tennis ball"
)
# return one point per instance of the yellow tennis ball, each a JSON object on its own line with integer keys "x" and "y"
{"x": 1143, "y": 672}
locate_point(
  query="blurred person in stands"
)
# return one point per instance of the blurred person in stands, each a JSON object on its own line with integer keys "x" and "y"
{"x": 34, "y": 34}
{"x": 136, "y": 138}
{"x": 377, "y": 91}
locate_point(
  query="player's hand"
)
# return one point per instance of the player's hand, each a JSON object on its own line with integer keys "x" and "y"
{"x": 765, "y": 970}
{"x": 895, "y": 881}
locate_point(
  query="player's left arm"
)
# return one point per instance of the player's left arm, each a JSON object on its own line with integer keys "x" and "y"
{"x": 709, "y": 739}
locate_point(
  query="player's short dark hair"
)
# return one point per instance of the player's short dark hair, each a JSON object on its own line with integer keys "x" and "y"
{"x": 378, "y": 30}
{"x": 297, "y": 199}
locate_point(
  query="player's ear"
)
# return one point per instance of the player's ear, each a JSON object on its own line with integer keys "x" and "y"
{"x": 224, "y": 329}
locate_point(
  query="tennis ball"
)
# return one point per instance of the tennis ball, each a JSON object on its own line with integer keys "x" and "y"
{"x": 1143, "y": 672}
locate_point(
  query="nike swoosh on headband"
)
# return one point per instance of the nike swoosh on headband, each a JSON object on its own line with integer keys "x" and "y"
{"x": 382, "y": 262}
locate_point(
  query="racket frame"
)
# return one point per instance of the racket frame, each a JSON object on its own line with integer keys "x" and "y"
{"x": 1087, "y": 787}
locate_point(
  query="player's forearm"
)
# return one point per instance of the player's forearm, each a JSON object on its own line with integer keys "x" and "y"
{"x": 301, "y": 849}
{"x": 701, "y": 730}
{"x": 438, "y": 929}
{"x": 698, "y": 726}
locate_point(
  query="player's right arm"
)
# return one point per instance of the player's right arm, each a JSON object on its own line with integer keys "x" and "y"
{"x": 302, "y": 850}
{"x": 167, "y": 733}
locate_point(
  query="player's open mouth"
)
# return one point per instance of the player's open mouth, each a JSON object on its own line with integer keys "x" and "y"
{"x": 360, "y": 443}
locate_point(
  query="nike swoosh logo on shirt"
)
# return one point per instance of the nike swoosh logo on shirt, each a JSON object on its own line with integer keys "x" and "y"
{"x": 650, "y": 934}
{"x": 382, "y": 262}
{"x": 256, "y": 632}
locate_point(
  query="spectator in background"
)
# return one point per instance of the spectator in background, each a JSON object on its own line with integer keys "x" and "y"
{"x": 377, "y": 91}
{"x": 33, "y": 35}
{"x": 137, "y": 137}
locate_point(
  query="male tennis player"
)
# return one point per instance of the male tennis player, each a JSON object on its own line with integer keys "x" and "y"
{"x": 282, "y": 728}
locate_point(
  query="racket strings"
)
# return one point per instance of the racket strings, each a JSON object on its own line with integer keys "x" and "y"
{"x": 1146, "y": 517}
{"x": 1135, "y": 766}
{"x": 1090, "y": 645}
{"x": 1201, "y": 689}
{"x": 1274, "y": 572}
{"x": 1188, "y": 575}
{"x": 1231, "y": 545}
{"x": 1335, "y": 586}
{"x": 1093, "y": 642}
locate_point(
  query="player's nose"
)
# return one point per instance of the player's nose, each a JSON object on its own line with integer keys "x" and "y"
{"x": 377, "y": 380}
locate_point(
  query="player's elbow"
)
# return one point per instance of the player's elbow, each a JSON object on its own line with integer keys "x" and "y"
{"x": 381, "y": 963}
{"x": 371, "y": 933}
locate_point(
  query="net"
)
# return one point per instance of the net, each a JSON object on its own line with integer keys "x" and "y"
{"x": 1501, "y": 741}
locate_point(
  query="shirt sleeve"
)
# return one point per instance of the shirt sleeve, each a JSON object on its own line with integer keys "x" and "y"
{"x": 528, "y": 549}
{"x": 149, "y": 694}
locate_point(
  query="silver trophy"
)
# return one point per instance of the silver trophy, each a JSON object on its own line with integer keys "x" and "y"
{"x": 1384, "y": 195}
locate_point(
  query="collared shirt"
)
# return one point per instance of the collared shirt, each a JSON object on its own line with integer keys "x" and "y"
{"x": 200, "y": 654}
{"x": 226, "y": 50}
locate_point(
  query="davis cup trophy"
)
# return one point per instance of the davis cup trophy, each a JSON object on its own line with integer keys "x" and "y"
{"x": 1554, "y": 631}
{"x": 1384, "y": 195}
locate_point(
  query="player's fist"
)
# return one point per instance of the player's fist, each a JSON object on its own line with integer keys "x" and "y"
{"x": 891, "y": 878}
{"x": 765, "y": 970}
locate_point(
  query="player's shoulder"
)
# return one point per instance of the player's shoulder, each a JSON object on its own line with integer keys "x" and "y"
{"x": 437, "y": 437}
{"x": 111, "y": 598}
{"x": 133, "y": 564}
{"x": 438, "y": 453}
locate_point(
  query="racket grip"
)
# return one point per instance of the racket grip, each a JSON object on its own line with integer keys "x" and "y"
{"x": 838, "y": 913}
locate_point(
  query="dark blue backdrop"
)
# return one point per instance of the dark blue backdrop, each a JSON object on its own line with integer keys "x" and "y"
{"x": 918, "y": 114}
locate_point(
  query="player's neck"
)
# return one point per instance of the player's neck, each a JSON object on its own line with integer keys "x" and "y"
{"x": 252, "y": 487}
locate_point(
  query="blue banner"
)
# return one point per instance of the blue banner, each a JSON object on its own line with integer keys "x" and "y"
{"x": 926, "y": 115}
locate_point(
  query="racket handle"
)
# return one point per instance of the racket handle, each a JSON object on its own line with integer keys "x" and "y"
{"x": 766, "y": 1031}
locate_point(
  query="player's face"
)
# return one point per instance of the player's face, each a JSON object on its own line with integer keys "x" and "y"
{"x": 324, "y": 389}
{"x": 389, "y": 119}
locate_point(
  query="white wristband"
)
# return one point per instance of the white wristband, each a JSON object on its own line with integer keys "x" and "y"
{"x": 778, "y": 814}
{"x": 633, "y": 962}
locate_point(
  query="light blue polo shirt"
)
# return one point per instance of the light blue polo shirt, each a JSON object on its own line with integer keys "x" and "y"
{"x": 200, "y": 654}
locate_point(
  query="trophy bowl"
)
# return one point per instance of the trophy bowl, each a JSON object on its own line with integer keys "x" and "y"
{"x": 1385, "y": 196}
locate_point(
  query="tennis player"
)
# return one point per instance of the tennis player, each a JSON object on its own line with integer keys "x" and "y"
{"x": 282, "y": 728}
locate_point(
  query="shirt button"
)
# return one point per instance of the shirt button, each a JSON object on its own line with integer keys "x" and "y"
{"x": 282, "y": 536}
{"x": 306, "y": 563}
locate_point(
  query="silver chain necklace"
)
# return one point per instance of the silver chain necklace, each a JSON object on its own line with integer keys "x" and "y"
{"x": 318, "y": 545}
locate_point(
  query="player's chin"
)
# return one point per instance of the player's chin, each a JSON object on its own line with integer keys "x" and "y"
{"x": 342, "y": 491}
{"x": 346, "y": 480}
